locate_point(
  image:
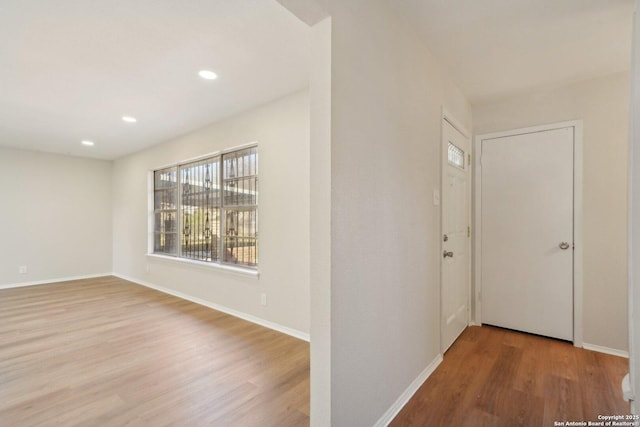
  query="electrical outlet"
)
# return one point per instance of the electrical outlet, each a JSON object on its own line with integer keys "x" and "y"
{"x": 263, "y": 299}
{"x": 22, "y": 269}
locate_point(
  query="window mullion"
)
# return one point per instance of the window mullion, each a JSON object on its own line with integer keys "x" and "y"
{"x": 222, "y": 217}
{"x": 179, "y": 210}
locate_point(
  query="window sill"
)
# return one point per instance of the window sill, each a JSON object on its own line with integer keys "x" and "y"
{"x": 204, "y": 265}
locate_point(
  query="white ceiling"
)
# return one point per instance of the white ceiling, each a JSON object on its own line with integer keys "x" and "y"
{"x": 495, "y": 48}
{"x": 70, "y": 69}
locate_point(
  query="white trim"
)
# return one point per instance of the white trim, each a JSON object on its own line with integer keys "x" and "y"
{"x": 577, "y": 218}
{"x": 605, "y": 350}
{"x": 207, "y": 155}
{"x": 150, "y": 210}
{"x": 248, "y": 317}
{"x": 185, "y": 262}
{"x": 577, "y": 234}
{"x": 49, "y": 281}
{"x": 391, "y": 413}
{"x": 476, "y": 220}
{"x": 446, "y": 115}
{"x": 633, "y": 241}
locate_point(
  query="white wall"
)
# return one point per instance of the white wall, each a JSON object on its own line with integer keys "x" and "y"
{"x": 56, "y": 216}
{"x": 387, "y": 92}
{"x": 603, "y": 104}
{"x": 320, "y": 222}
{"x": 634, "y": 223}
{"x": 281, "y": 129}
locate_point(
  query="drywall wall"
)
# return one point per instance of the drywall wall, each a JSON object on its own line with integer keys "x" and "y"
{"x": 387, "y": 92}
{"x": 320, "y": 223}
{"x": 56, "y": 216}
{"x": 281, "y": 129}
{"x": 603, "y": 105}
{"x": 634, "y": 223}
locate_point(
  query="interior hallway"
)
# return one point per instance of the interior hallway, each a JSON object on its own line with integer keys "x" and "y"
{"x": 496, "y": 377}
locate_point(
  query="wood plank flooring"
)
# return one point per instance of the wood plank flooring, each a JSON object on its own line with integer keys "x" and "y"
{"x": 496, "y": 377}
{"x": 106, "y": 352}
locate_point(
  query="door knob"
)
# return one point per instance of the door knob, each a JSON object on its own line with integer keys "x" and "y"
{"x": 564, "y": 246}
{"x": 447, "y": 254}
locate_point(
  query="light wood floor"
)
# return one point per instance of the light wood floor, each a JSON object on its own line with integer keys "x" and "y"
{"x": 106, "y": 352}
{"x": 495, "y": 377}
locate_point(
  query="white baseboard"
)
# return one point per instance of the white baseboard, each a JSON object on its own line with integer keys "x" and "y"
{"x": 49, "y": 281}
{"x": 607, "y": 350}
{"x": 408, "y": 393}
{"x": 248, "y": 317}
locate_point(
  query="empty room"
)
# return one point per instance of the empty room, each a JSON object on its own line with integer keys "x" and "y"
{"x": 121, "y": 125}
{"x": 318, "y": 212}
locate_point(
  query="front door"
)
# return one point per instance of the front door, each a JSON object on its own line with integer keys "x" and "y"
{"x": 455, "y": 246}
{"x": 527, "y": 232}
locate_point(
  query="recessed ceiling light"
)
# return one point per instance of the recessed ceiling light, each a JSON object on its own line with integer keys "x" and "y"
{"x": 209, "y": 75}
{"x": 88, "y": 143}
{"x": 129, "y": 119}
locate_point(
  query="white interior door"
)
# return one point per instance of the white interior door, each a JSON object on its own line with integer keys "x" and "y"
{"x": 455, "y": 234}
{"x": 527, "y": 232}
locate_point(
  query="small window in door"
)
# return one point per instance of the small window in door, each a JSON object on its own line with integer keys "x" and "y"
{"x": 455, "y": 155}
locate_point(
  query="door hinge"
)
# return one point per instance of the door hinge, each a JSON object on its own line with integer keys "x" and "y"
{"x": 469, "y": 159}
{"x": 468, "y": 231}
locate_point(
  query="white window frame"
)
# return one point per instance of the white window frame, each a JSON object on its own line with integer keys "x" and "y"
{"x": 219, "y": 264}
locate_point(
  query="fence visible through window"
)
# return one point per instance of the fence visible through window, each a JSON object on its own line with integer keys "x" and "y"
{"x": 209, "y": 206}
{"x": 240, "y": 206}
{"x": 165, "y": 211}
{"x": 200, "y": 209}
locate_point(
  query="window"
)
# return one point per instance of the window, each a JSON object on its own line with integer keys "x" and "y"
{"x": 211, "y": 207}
{"x": 164, "y": 205}
{"x": 455, "y": 156}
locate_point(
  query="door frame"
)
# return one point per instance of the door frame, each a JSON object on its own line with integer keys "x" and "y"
{"x": 577, "y": 217}
{"x": 449, "y": 118}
